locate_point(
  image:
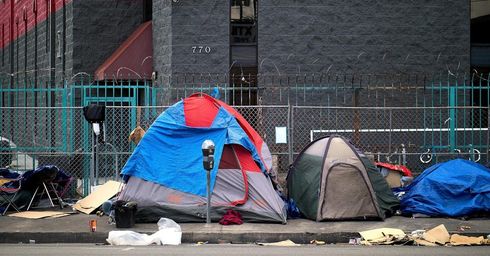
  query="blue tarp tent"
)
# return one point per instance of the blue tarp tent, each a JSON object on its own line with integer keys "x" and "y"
{"x": 165, "y": 174}
{"x": 455, "y": 188}
{"x": 172, "y": 148}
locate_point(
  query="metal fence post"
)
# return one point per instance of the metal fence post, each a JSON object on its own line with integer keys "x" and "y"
{"x": 391, "y": 131}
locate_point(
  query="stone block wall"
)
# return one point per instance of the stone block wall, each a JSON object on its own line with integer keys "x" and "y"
{"x": 162, "y": 37}
{"x": 327, "y": 37}
{"x": 363, "y": 36}
{"x": 191, "y": 36}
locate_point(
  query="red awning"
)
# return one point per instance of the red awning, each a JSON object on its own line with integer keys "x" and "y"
{"x": 133, "y": 59}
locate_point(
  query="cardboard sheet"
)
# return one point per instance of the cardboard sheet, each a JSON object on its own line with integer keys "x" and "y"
{"x": 437, "y": 235}
{"x": 103, "y": 193}
{"x": 281, "y": 243}
{"x": 424, "y": 243}
{"x": 381, "y": 235}
{"x": 39, "y": 214}
{"x": 466, "y": 240}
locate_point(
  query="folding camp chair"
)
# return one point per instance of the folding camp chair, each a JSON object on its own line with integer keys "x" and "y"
{"x": 42, "y": 181}
{"x": 8, "y": 191}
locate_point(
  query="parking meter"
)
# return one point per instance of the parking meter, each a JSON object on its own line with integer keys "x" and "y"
{"x": 208, "y": 154}
{"x": 207, "y": 148}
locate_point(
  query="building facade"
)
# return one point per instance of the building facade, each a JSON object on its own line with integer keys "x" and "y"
{"x": 53, "y": 40}
{"x": 311, "y": 36}
{"x": 238, "y": 37}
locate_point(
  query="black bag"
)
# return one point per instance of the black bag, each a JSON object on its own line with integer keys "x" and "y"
{"x": 94, "y": 113}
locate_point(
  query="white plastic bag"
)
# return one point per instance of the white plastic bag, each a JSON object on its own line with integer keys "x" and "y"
{"x": 169, "y": 233}
{"x": 168, "y": 224}
{"x": 130, "y": 238}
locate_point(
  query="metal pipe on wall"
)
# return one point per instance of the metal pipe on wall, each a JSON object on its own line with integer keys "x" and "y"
{"x": 52, "y": 64}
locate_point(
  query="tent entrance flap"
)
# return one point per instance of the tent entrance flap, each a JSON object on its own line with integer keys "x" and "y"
{"x": 229, "y": 160}
{"x": 346, "y": 199}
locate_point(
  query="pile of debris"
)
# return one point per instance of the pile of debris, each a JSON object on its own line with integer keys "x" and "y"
{"x": 438, "y": 236}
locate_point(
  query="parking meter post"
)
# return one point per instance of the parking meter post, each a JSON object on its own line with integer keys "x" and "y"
{"x": 207, "y": 148}
{"x": 208, "y": 208}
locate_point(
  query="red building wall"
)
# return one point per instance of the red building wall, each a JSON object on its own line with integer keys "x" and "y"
{"x": 16, "y": 14}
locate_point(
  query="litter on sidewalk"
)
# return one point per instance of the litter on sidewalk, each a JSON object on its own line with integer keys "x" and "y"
{"x": 438, "y": 236}
{"x": 39, "y": 214}
{"x": 382, "y": 236}
{"x": 317, "y": 242}
{"x": 466, "y": 240}
{"x": 169, "y": 233}
{"x": 281, "y": 243}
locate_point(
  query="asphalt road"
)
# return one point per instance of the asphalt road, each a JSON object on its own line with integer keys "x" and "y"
{"x": 230, "y": 250}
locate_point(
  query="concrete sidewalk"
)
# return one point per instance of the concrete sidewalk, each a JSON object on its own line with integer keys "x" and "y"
{"x": 75, "y": 229}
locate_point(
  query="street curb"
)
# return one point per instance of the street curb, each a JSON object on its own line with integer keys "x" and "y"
{"x": 52, "y": 237}
{"x": 190, "y": 237}
{"x": 245, "y": 238}
{"x": 187, "y": 237}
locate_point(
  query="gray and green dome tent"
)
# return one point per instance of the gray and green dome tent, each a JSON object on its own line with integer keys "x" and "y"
{"x": 332, "y": 180}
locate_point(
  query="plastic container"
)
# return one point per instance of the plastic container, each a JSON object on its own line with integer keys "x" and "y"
{"x": 125, "y": 213}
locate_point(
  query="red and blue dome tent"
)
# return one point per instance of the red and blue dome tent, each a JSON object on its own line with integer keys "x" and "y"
{"x": 165, "y": 175}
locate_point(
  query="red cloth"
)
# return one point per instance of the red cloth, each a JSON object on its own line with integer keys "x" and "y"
{"x": 396, "y": 167}
{"x": 231, "y": 217}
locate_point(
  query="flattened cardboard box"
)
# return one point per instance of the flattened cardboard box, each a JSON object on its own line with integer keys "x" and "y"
{"x": 103, "y": 193}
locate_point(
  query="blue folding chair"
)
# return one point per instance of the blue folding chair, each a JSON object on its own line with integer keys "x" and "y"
{"x": 8, "y": 191}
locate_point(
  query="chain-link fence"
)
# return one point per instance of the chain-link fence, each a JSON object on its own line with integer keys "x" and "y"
{"x": 61, "y": 136}
{"x": 414, "y": 119}
{"x": 417, "y": 137}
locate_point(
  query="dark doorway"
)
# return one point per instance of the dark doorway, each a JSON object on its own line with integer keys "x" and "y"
{"x": 147, "y": 10}
{"x": 243, "y": 52}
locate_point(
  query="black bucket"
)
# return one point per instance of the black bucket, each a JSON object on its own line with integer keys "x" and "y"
{"x": 125, "y": 213}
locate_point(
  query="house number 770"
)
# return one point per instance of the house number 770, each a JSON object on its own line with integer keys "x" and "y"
{"x": 201, "y": 49}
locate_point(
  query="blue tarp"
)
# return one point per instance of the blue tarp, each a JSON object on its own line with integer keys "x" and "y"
{"x": 29, "y": 177}
{"x": 455, "y": 188}
{"x": 170, "y": 152}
